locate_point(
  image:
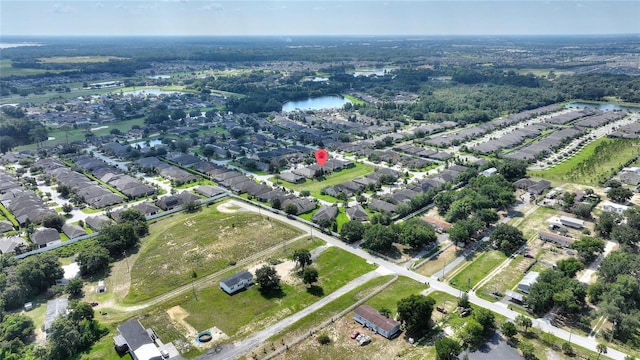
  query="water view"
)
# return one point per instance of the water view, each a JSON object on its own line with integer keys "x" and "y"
{"x": 376, "y": 72}
{"x": 156, "y": 92}
{"x": 318, "y": 103}
{"x": 603, "y": 107}
{"x": 147, "y": 143}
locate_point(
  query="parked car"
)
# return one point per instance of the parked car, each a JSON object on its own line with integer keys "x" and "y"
{"x": 466, "y": 312}
{"x": 355, "y": 334}
{"x": 365, "y": 340}
{"x": 441, "y": 309}
{"x": 93, "y": 303}
{"x": 528, "y": 256}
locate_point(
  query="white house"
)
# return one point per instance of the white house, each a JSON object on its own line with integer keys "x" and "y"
{"x": 237, "y": 282}
{"x": 614, "y": 208}
{"x": 571, "y": 222}
{"x": 525, "y": 284}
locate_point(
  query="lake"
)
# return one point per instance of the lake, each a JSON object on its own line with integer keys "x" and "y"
{"x": 151, "y": 92}
{"x": 318, "y": 103}
{"x": 376, "y": 72}
{"x": 604, "y": 107}
{"x": 143, "y": 144}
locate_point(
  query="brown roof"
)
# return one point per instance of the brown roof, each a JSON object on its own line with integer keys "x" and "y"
{"x": 544, "y": 235}
{"x": 376, "y": 318}
{"x": 437, "y": 222}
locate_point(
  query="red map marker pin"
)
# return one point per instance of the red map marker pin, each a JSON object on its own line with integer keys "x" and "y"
{"x": 321, "y": 156}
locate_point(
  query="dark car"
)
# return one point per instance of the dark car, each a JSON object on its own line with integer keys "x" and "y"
{"x": 528, "y": 256}
{"x": 93, "y": 303}
{"x": 466, "y": 312}
{"x": 441, "y": 309}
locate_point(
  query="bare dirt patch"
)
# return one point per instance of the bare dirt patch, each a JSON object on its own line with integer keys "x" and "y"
{"x": 285, "y": 270}
{"x": 229, "y": 207}
{"x": 178, "y": 316}
{"x": 343, "y": 347}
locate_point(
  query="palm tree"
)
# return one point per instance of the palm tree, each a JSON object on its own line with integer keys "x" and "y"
{"x": 524, "y": 321}
{"x": 602, "y": 349}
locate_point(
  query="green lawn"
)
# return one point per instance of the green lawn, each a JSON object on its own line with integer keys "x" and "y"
{"x": 597, "y": 162}
{"x": 354, "y": 100}
{"x": 478, "y": 269}
{"x": 206, "y": 241}
{"x": 7, "y": 70}
{"x": 314, "y": 186}
{"x": 507, "y": 278}
{"x": 246, "y": 312}
{"x": 533, "y": 223}
{"x": 79, "y": 59}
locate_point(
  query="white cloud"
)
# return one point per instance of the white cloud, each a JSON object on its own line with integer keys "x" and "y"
{"x": 60, "y": 8}
{"x": 213, "y": 7}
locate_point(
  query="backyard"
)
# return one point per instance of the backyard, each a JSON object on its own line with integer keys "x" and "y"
{"x": 315, "y": 186}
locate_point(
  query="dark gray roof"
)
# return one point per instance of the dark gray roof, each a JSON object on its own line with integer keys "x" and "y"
{"x": 55, "y": 308}
{"x": 233, "y": 280}
{"x": 135, "y": 334}
{"x": 44, "y": 236}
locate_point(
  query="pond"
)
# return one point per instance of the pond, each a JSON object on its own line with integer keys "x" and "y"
{"x": 318, "y": 103}
{"x": 152, "y": 92}
{"x": 604, "y": 107}
{"x": 143, "y": 144}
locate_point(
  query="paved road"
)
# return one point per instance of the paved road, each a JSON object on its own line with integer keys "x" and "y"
{"x": 499, "y": 308}
{"x": 252, "y": 342}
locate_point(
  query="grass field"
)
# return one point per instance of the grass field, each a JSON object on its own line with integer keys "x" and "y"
{"x": 481, "y": 266}
{"x": 534, "y": 222}
{"x": 354, "y": 99}
{"x": 314, "y": 186}
{"x": 7, "y": 70}
{"x": 243, "y": 313}
{"x": 438, "y": 262}
{"x": 207, "y": 241}
{"x": 595, "y": 163}
{"x": 507, "y": 278}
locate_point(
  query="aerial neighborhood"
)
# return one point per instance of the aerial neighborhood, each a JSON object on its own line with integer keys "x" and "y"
{"x": 479, "y": 198}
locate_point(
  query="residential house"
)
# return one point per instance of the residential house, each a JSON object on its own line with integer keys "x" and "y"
{"x": 325, "y": 213}
{"x": 209, "y": 191}
{"x": 302, "y": 205}
{"x": 525, "y": 284}
{"x": 237, "y": 282}
{"x": 382, "y": 206}
{"x": 5, "y": 225}
{"x": 45, "y": 236}
{"x": 357, "y": 213}
{"x": 9, "y": 244}
{"x": 378, "y": 323}
{"x": 571, "y": 222}
{"x": 97, "y": 221}
{"x": 438, "y": 224}
{"x": 539, "y": 187}
{"x": 73, "y": 231}
{"x": 291, "y": 177}
{"x": 608, "y": 206}
{"x": 138, "y": 341}
{"x": 168, "y": 202}
{"x": 556, "y": 238}
{"x": 630, "y": 177}
{"x": 56, "y": 307}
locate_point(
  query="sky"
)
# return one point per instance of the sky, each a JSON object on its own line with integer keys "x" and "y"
{"x": 309, "y": 17}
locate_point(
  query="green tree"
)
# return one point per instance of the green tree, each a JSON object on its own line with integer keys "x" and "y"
{"x": 528, "y": 351}
{"x": 74, "y": 287}
{"x": 447, "y": 349}
{"x": 513, "y": 170}
{"x": 619, "y": 195}
{"x": 524, "y": 321}
{"x": 137, "y": 220}
{"x": 463, "y": 300}
{"x": 415, "y": 311}
{"x": 267, "y": 277}
{"x": 291, "y": 209}
{"x": 192, "y": 206}
{"x": 378, "y": 237}
{"x": 93, "y": 260}
{"x": 569, "y": 267}
{"x": 302, "y": 257}
{"x": 507, "y": 238}
{"x": 417, "y": 233}
{"x": 53, "y": 221}
{"x": 472, "y": 334}
{"x": 67, "y": 208}
{"x": 508, "y": 329}
{"x": 118, "y": 238}
{"x": 588, "y": 248}
{"x": 602, "y": 349}
{"x": 352, "y": 231}
{"x": 486, "y": 318}
{"x": 16, "y": 326}
{"x": 309, "y": 275}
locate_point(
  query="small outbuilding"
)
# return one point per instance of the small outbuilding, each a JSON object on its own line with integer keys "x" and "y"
{"x": 237, "y": 282}
{"x": 101, "y": 287}
{"x": 372, "y": 319}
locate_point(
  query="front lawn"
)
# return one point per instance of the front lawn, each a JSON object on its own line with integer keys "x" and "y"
{"x": 481, "y": 266}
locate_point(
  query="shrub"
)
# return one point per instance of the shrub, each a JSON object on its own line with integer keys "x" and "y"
{"x": 324, "y": 339}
